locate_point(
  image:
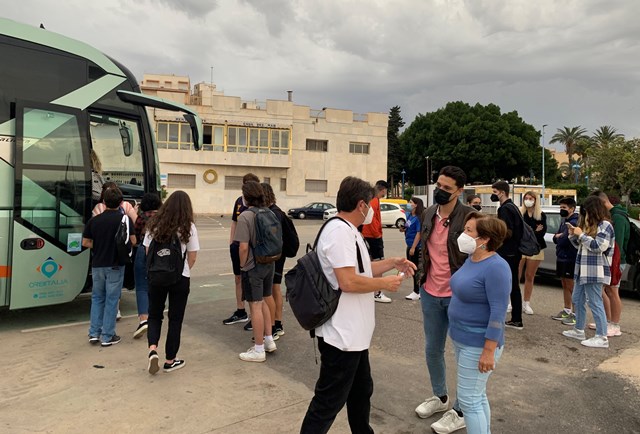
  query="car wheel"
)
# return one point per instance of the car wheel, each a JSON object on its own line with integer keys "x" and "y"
{"x": 400, "y": 222}
{"x": 302, "y": 215}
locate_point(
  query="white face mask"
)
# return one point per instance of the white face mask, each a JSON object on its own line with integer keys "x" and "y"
{"x": 369, "y": 217}
{"x": 529, "y": 203}
{"x": 467, "y": 244}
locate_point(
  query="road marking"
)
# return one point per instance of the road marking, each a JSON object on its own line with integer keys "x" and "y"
{"x": 210, "y": 285}
{"x": 225, "y": 274}
{"x": 73, "y": 324}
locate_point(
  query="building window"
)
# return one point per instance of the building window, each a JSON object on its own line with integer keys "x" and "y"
{"x": 233, "y": 183}
{"x": 181, "y": 180}
{"x": 236, "y": 139}
{"x": 317, "y": 145}
{"x": 213, "y": 138}
{"x": 279, "y": 142}
{"x": 266, "y": 180}
{"x": 283, "y": 184}
{"x": 358, "y": 148}
{"x": 258, "y": 140}
{"x": 173, "y": 135}
{"x": 315, "y": 185}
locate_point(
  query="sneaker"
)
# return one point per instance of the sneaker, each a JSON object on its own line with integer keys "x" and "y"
{"x": 253, "y": 356}
{"x": 274, "y": 336}
{"x": 177, "y": 364}
{"x": 248, "y": 327}
{"x": 509, "y": 308}
{"x": 611, "y": 332}
{"x": 570, "y": 320}
{"x": 574, "y": 334}
{"x": 118, "y": 316}
{"x": 93, "y": 340}
{"x": 412, "y": 296}
{"x": 236, "y": 317}
{"x": 526, "y": 308}
{"x": 279, "y": 331}
{"x": 563, "y": 314}
{"x": 431, "y": 406}
{"x": 154, "y": 365}
{"x": 592, "y": 326}
{"x": 114, "y": 340}
{"x": 448, "y": 423}
{"x": 141, "y": 330}
{"x": 616, "y": 330}
{"x": 270, "y": 346}
{"x": 514, "y": 325}
{"x": 596, "y": 342}
{"x": 381, "y": 298}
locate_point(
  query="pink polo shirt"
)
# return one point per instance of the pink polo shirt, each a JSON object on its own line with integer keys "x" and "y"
{"x": 439, "y": 273}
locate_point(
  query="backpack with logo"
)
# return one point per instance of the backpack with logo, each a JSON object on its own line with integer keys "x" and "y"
{"x": 310, "y": 295}
{"x": 165, "y": 262}
{"x": 528, "y": 243}
{"x": 268, "y": 243}
{"x": 123, "y": 241}
{"x": 290, "y": 240}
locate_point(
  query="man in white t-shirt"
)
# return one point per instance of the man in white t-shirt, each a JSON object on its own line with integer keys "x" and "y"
{"x": 345, "y": 374}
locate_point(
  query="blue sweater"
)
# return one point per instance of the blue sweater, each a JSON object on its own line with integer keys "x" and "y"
{"x": 411, "y": 229}
{"x": 479, "y": 302}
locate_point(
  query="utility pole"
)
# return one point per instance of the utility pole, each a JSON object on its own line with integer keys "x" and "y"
{"x": 543, "y": 192}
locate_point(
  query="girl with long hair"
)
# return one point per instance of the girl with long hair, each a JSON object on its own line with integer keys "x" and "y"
{"x": 537, "y": 220}
{"x": 175, "y": 217}
{"x": 412, "y": 229}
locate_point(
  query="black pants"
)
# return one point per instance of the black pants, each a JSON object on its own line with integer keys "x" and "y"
{"x": 345, "y": 377}
{"x": 516, "y": 295}
{"x": 415, "y": 259}
{"x": 178, "y": 296}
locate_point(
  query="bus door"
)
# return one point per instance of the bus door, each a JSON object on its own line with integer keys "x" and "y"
{"x": 52, "y": 204}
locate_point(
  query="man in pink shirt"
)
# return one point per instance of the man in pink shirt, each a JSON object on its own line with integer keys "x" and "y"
{"x": 442, "y": 224}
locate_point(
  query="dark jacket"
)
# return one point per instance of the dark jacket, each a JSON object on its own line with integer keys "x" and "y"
{"x": 620, "y": 221}
{"x": 565, "y": 251}
{"x": 510, "y": 214}
{"x": 533, "y": 223}
{"x": 456, "y": 227}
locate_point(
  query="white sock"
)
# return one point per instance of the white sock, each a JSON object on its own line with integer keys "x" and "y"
{"x": 259, "y": 348}
{"x": 567, "y": 310}
{"x": 268, "y": 338}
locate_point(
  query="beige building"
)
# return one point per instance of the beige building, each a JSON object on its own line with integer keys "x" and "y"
{"x": 303, "y": 153}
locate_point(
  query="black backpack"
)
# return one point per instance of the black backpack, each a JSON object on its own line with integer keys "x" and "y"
{"x": 123, "y": 241}
{"x": 268, "y": 243}
{"x": 528, "y": 243}
{"x": 290, "y": 240}
{"x": 165, "y": 262}
{"x": 310, "y": 295}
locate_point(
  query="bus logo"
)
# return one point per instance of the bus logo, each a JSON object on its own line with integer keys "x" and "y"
{"x": 49, "y": 268}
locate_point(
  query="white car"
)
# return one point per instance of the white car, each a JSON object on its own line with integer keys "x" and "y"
{"x": 391, "y": 213}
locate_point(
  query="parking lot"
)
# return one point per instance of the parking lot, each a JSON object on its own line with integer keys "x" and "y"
{"x": 54, "y": 381}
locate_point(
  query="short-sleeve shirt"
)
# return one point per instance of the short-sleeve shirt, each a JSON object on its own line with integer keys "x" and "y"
{"x": 238, "y": 208}
{"x": 246, "y": 233}
{"x": 351, "y": 326}
{"x": 102, "y": 230}
{"x": 192, "y": 246}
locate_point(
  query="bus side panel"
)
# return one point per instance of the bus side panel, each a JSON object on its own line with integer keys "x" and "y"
{"x": 44, "y": 276}
{"x": 6, "y": 217}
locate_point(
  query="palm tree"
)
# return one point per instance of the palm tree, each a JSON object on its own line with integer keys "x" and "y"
{"x": 605, "y": 135}
{"x": 569, "y": 138}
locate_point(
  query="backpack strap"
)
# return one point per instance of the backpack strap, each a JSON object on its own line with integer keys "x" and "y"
{"x": 315, "y": 243}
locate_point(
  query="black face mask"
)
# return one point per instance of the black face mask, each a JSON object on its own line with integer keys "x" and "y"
{"x": 477, "y": 207}
{"x": 564, "y": 213}
{"x": 441, "y": 197}
{"x": 494, "y": 198}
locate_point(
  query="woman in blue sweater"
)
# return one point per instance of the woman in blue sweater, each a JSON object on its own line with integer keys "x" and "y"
{"x": 481, "y": 290}
{"x": 411, "y": 231}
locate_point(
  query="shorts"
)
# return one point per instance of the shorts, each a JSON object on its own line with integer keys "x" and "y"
{"x": 279, "y": 267}
{"x": 376, "y": 248}
{"x": 234, "y": 251}
{"x": 538, "y": 257}
{"x": 565, "y": 270}
{"x": 257, "y": 282}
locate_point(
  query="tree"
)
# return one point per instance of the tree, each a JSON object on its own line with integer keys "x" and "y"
{"x": 481, "y": 140}
{"x": 395, "y": 156}
{"x": 569, "y": 137}
{"x": 616, "y": 166}
{"x": 606, "y": 134}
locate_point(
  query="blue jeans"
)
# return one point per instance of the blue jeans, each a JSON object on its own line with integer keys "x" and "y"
{"x": 592, "y": 292}
{"x": 435, "y": 315}
{"x": 107, "y": 287}
{"x": 472, "y": 388}
{"x": 140, "y": 276}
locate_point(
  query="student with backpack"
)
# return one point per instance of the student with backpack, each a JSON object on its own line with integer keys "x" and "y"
{"x": 107, "y": 269}
{"x": 172, "y": 244}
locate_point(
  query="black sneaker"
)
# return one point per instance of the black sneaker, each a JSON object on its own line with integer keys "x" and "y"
{"x": 514, "y": 325}
{"x": 177, "y": 364}
{"x": 114, "y": 340}
{"x": 248, "y": 327}
{"x": 154, "y": 365}
{"x": 141, "y": 330}
{"x": 238, "y": 316}
{"x": 93, "y": 340}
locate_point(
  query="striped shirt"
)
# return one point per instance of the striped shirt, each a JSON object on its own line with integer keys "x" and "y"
{"x": 593, "y": 264}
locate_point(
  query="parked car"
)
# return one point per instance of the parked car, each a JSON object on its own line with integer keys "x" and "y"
{"x": 392, "y": 214}
{"x": 311, "y": 210}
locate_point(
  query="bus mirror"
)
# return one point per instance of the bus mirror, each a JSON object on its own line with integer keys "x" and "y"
{"x": 127, "y": 139}
{"x": 191, "y": 119}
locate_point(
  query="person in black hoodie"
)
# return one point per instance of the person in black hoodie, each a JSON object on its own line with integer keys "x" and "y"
{"x": 537, "y": 220}
{"x": 566, "y": 255}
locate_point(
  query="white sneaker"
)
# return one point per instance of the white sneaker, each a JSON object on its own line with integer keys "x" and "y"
{"x": 592, "y": 326}
{"x": 616, "y": 330}
{"x": 431, "y": 406}
{"x": 574, "y": 334}
{"x": 509, "y": 308}
{"x": 381, "y": 298}
{"x": 269, "y": 346}
{"x": 412, "y": 296}
{"x": 118, "y": 316}
{"x": 448, "y": 423}
{"x": 253, "y": 356}
{"x": 526, "y": 308}
{"x": 596, "y": 342}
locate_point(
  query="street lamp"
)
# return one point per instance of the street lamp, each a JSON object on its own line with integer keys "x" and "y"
{"x": 576, "y": 167}
{"x": 428, "y": 178}
{"x": 543, "y": 200}
{"x": 403, "y": 173}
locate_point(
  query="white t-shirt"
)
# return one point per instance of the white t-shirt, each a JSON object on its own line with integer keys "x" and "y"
{"x": 351, "y": 326}
{"x": 192, "y": 246}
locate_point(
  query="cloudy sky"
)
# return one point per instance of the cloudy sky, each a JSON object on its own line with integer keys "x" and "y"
{"x": 561, "y": 63}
